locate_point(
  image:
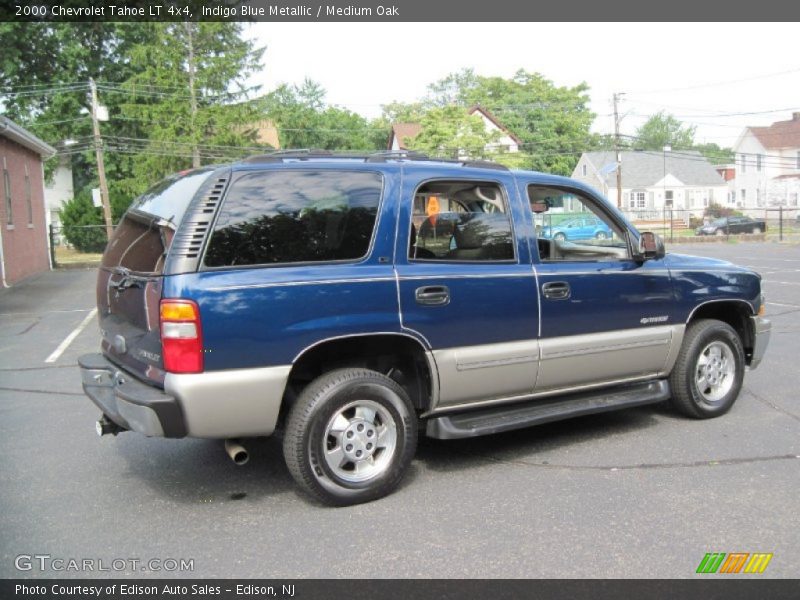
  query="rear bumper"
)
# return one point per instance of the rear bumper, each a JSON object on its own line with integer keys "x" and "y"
{"x": 762, "y": 328}
{"x": 129, "y": 402}
{"x": 215, "y": 404}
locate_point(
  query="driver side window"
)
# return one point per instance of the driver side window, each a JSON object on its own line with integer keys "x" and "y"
{"x": 570, "y": 227}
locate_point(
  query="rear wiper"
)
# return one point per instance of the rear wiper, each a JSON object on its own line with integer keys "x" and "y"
{"x": 128, "y": 279}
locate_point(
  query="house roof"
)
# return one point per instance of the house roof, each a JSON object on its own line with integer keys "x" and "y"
{"x": 401, "y": 131}
{"x": 645, "y": 168}
{"x": 485, "y": 111}
{"x": 25, "y": 138}
{"x": 782, "y": 134}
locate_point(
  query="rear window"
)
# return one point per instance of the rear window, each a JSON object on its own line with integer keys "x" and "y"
{"x": 272, "y": 217}
{"x": 169, "y": 198}
{"x": 143, "y": 236}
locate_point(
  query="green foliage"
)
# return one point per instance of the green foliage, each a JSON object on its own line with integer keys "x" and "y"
{"x": 186, "y": 87}
{"x": 143, "y": 72}
{"x": 448, "y": 131}
{"x": 662, "y": 130}
{"x": 552, "y": 122}
{"x": 715, "y": 154}
{"x": 403, "y": 112}
{"x": 305, "y": 121}
{"x": 83, "y": 223}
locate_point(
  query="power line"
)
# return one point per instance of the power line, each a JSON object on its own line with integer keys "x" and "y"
{"x": 718, "y": 83}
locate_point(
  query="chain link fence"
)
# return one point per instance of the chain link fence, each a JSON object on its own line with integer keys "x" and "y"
{"x": 682, "y": 225}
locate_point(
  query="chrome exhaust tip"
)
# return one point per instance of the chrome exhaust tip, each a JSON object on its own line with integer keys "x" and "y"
{"x": 237, "y": 452}
{"x": 106, "y": 426}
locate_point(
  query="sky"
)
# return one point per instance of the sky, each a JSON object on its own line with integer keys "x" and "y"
{"x": 699, "y": 72}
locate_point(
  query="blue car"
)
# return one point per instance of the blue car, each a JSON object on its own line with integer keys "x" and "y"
{"x": 578, "y": 228}
{"x": 354, "y": 303}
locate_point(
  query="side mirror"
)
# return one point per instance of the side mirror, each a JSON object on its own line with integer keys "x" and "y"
{"x": 651, "y": 246}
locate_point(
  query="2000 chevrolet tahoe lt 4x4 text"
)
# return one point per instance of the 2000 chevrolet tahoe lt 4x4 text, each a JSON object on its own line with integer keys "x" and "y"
{"x": 354, "y": 300}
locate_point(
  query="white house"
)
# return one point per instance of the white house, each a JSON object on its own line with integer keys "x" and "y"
{"x": 58, "y": 190}
{"x": 768, "y": 164}
{"x": 506, "y": 141}
{"x": 653, "y": 180}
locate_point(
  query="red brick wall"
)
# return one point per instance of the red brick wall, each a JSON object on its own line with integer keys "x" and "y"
{"x": 24, "y": 247}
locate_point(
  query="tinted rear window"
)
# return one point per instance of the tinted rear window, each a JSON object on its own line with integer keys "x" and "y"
{"x": 169, "y": 198}
{"x": 139, "y": 244}
{"x": 271, "y": 217}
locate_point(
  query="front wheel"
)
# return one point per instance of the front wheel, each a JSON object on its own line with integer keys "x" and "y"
{"x": 560, "y": 237}
{"x": 350, "y": 436}
{"x": 601, "y": 235}
{"x": 708, "y": 374}
{"x": 757, "y": 230}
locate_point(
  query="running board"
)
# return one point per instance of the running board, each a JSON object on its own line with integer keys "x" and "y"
{"x": 545, "y": 410}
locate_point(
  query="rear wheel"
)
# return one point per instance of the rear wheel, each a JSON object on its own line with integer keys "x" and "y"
{"x": 757, "y": 230}
{"x": 708, "y": 374}
{"x": 350, "y": 436}
{"x": 719, "y": 232}
{"x": 560, "y": 237}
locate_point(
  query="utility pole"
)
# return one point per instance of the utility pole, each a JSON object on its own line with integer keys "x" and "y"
{"x": 617, "y": 150}
{"x": 101, "y": 169}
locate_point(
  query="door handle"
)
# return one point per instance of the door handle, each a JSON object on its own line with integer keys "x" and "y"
{"x": 556, "y": 290}
{"x": 432, "y": 295}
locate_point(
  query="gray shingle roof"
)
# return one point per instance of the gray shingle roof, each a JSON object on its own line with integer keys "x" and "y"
{"x": 645, "y": 168}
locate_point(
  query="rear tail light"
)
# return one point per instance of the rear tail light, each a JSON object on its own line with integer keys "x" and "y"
{"x": 181, "y": 336}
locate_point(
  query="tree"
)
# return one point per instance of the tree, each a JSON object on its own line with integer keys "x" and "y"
{"x": 403, "y": 112}
{"x": 44, "y": 73}
{"x": 451, "y": 132}
{"x": 552, "y": 122}
{"x": 171, "y": 90}
{"x": 305, "y": 121}
{"x": 715, "y": 154}
{"x": 187, "y": 86}
{"x": 82, "y": 221}
{"x": 662, "y": 130}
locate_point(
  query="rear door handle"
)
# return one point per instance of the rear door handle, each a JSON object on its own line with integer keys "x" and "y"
{"x": 432, "y": 295}
{"x": 556, "y": 290}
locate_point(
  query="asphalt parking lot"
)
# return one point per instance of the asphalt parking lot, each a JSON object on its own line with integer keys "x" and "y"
{"x": 638, "y": 493}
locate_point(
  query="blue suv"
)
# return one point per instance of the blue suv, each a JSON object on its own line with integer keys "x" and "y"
{"x": 354, "y": 301}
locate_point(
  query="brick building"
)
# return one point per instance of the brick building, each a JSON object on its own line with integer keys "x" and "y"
{"x": 23, "y": 231}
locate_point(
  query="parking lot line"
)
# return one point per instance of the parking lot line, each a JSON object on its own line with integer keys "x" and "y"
{"x": 70, "y": 338}
{"x": 785, "y": 305}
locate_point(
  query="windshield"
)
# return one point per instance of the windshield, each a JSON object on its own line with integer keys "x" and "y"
{"x": 170, "y": 197}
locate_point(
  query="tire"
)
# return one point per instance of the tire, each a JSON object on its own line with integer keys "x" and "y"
{"x": 560, "y": 237}
{"x": 757, "y": 230}
{"x": 601, "y": 235}
{"x": 365, "y": 407}
{"x": 708, "y": 373}
{"x": 719, "y": 232}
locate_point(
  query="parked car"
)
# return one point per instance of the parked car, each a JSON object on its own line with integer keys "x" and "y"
{"x": 579, "y": 228}
{"x": 732, "y": 225}
{"x": 293, "y": 292}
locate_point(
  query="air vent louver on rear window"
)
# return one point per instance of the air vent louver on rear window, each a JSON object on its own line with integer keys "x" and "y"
{"x": 187, "y": 245}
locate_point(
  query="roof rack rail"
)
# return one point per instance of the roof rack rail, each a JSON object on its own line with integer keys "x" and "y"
{"x": 370, "y": 157}
{"x": 385, "y": 155}
{"x": 279, "y": 155}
